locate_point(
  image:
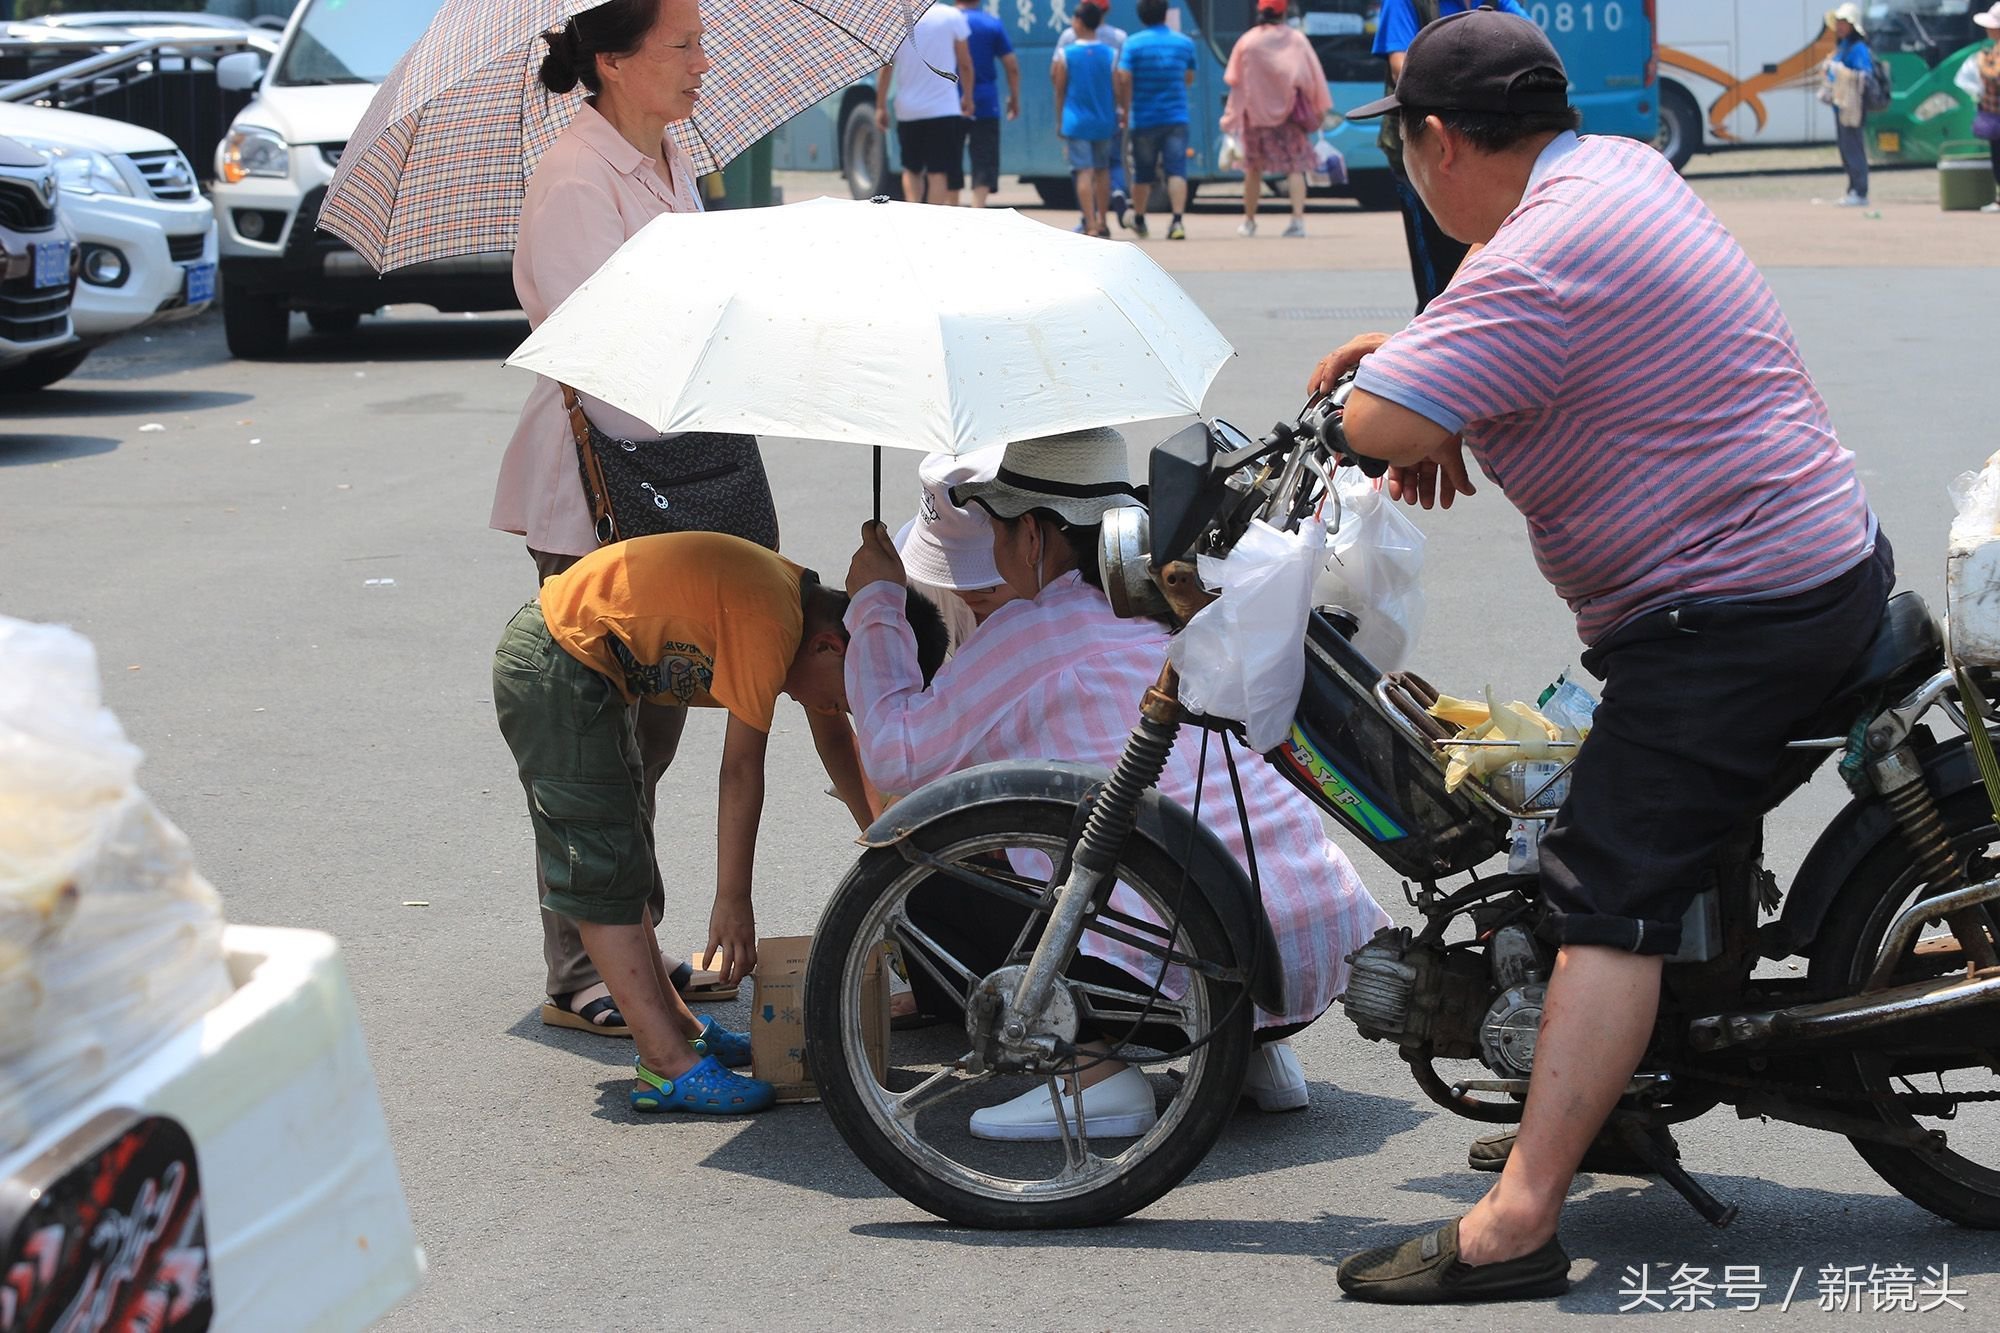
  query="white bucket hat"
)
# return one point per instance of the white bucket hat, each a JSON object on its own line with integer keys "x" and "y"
{"x": 1080, "y": 474}
{"x": 947, "y": 546}
{"x": 1990, "y": 20}
{"x": 1850, "y": 12}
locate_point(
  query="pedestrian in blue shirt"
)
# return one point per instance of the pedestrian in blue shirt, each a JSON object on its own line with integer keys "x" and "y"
{"x": 991, "y": 51}
{"x": 1087, "y": 107}
{"x": 1847, "y": 74}
{"x": 1155, "y": 71}
{"x": 1434, "y": 256}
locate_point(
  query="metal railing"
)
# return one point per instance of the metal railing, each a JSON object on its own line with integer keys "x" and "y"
{"x": 164, "y": 84}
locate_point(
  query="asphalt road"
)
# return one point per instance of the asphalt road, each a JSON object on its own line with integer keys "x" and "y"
{"x": 294, "y": 598}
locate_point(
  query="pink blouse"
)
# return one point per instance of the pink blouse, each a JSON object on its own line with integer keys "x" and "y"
{"x": 1269, "y": 65}
{"x": 591, "y": 192}
{"x": 1061, "y": 677}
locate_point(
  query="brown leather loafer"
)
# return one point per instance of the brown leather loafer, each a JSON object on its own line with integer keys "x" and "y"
{"x": 1426, "y": 1271}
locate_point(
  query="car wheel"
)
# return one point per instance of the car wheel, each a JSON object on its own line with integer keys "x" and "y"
{"x": 1680, "y": 125}
{"x": 864, "y": 155}
{"x": 40, "y": 372}
{"x": 1057, "y": 193}
{"x": 334, "y": 321}
{"x": 1374, "y": 190}
{"x": 255, "y": 326}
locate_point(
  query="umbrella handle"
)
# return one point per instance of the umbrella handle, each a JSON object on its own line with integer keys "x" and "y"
{"x": 878, "y": 483}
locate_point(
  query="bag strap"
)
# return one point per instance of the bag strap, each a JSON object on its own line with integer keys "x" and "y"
{"x": 596, "y": 493}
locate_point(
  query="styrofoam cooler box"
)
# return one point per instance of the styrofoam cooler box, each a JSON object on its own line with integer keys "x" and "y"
{"x": 1972, "y": 600}
{"x": 306, "y": 1223}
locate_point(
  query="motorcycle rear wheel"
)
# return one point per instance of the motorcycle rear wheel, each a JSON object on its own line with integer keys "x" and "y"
{"x": 1952, "y": 1183}
{"x": 922, "y": 1149}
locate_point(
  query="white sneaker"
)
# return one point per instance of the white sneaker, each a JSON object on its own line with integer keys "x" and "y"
{"x": 1993, "y": 207}
{"x": 1275, "y": 1081}
{"x": 1296, "y": 227}
{"x": 1853, "y": 200}
{"x": 1121, "y": 1107}
{"x": 1247, "y": 227}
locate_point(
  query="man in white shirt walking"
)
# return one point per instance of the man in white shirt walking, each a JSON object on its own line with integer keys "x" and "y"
{"x": 932, "y": 76}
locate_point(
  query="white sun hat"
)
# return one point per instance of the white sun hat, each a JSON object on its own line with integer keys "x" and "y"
{"x": 1850, "y": 12}
{"x": 1080, "y": 474}
{"x": 1990, "y": 19}
{"x": 947, "y": 546}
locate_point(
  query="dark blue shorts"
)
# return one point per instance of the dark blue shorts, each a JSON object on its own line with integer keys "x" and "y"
{"x": 1166, "y": 143}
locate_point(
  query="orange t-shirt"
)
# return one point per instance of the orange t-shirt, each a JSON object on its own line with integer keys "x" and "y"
{"x": 698, "y": 619}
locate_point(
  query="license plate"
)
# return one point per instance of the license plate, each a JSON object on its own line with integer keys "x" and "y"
{"x": 1889, "y": 141}
{"x": 200, "y": 283}
{"x": 52, "y": 264}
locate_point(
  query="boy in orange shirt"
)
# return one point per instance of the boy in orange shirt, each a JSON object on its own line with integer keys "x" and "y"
{"x": 697, "y": 620}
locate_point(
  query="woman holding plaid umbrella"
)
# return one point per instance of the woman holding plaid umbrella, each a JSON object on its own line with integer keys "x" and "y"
{"x": 613, "y": 170}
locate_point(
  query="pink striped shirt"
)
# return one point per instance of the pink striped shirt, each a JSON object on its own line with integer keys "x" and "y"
{"x": 1623, "y": 373}
{"x": 1061, "y": 677}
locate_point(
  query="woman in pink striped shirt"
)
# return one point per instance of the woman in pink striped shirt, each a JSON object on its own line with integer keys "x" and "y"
{"x": 1055, "y": 674}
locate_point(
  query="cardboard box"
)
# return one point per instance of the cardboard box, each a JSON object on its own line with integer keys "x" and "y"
{"x": 778, "y": 1017}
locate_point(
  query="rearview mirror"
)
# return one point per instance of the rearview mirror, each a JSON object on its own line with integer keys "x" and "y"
{"x": 240, "y": 72}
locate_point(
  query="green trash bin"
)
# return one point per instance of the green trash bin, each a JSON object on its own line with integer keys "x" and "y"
{"x": 1965, "y": 175}
{"x": 746, "y": 181}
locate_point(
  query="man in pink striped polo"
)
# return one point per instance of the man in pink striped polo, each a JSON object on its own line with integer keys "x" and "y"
{"x": 1623, "y": 374}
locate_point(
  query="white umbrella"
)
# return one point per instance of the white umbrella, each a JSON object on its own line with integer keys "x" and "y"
{"x": 906, "y": 325}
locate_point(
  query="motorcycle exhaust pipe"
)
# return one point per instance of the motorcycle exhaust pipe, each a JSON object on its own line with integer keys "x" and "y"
{"x": 1831, "y": 1020}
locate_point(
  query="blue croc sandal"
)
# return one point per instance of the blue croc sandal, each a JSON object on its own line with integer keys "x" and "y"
{"x": 705, "y": 1089}
{"x": 730, "y": 1048}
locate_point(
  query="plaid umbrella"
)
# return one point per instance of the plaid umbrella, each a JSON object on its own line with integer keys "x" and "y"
{"x": 439, "y": 164}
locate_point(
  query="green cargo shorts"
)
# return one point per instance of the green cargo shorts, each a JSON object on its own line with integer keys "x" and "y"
{"x": 579, "y": 764}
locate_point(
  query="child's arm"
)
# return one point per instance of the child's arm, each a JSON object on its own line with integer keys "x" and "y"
{"x": 834, "y": 739}
{"x": 732, "y": 924}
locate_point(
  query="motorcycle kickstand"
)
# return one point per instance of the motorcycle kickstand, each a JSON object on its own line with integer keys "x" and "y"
{"x": 1648, "y": 1150}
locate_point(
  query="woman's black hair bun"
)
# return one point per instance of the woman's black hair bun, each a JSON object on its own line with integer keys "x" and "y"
{"x": 558, "y": 73}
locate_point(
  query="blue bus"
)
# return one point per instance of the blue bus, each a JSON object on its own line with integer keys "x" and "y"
{"x": 1607, "y": 46}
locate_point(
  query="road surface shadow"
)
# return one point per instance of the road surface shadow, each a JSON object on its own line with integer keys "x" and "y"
{"x": 83, "y": 398}
{"x": 22, "y": 450}
{"x": 409, "y": 338}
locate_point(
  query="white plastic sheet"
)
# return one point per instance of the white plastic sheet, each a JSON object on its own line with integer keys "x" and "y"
{"x": 1242, "y": 657}
{"x": 1374, "y": 568}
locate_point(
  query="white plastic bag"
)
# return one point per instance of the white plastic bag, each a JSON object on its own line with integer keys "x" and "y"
{"x": 1374, "y": 568}
{"x": 1968, "y": 80}
{"x": 1242, "y": 656}
{"x": 1229, "y": 154}
{"x": 1976, "y": 498}
{"x": 109, "y": 939}
{"x": 1329, "y": 165}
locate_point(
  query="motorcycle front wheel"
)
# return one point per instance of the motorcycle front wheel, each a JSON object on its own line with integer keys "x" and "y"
{"x": 962, "y": 910}
{"x": 1955, "y": 1054}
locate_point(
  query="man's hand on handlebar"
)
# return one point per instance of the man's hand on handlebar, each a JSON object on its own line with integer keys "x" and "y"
{"x": 1437, "y": 480}
{"x": 1341, "y": 360}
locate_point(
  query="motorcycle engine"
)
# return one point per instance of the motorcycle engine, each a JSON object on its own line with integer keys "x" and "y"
{"x": 1513, "y": 1021}
{"x": 1454, "y": 1002}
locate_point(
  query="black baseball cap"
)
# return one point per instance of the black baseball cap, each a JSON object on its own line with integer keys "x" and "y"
{"x": 1480, "y": 60}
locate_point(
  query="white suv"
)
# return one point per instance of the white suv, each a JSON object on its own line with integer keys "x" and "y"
{"x": 147, "y": 234}
{"x": 273, "y": 168}
{"x": 37, "y": 257}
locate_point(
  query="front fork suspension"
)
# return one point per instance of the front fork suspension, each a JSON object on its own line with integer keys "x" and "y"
{"x": 1097, "y": 852}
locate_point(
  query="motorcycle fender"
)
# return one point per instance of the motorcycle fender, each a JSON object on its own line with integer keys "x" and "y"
{"x": 1846, "y": 842}
{"x": 1215, "y": 872}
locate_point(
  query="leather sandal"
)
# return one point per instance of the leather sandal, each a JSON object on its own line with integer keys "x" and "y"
{"x": 1426, "y": 1270}
{"x": 600, "y": 1016}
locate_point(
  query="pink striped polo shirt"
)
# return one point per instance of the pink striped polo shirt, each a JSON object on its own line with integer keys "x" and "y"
{"x": 1621, "y": 371}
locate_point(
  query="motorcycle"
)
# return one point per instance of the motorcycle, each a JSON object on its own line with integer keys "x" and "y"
{"x": 1888, "y": 1035}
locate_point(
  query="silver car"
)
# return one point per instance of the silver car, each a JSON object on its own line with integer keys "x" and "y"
{"x": 38, "y": 257}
